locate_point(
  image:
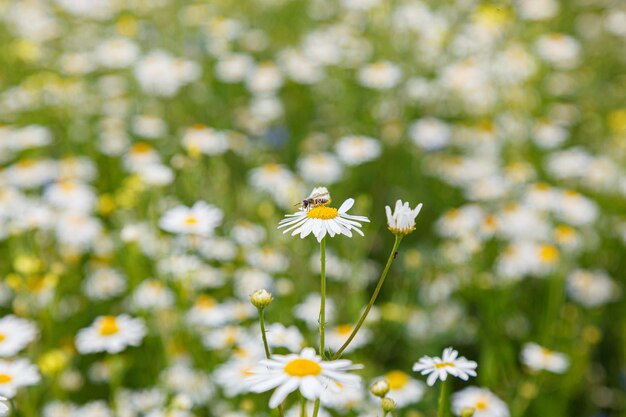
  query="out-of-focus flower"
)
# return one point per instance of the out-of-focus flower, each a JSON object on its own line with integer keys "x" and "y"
{"x": 305, "y": 372}
{"x": 403, "y": 389}
{"x": 539, "y": 358}
{"x": 15, "y": 334}
{"x": 380, "y": 75}
{"x": 448, "y": 364}
{"x": 355, "y": 150}
{"x": 484, "y": 402}
{"x": 16, "y": 374}
{"x": 201, "y": 219}
{"x": 591, "y": 288}
{"x": 111, "y": 334}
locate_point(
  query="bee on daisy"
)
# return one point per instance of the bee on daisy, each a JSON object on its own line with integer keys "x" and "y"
{"x": 306, "y": 372}
{"x": 317, "y": 217}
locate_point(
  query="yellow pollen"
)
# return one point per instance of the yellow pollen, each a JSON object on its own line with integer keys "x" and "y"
{"x": 4, "y": 378}
{"x": 549, "y": 254}
{"x": 191, "y": 220}
{"x": 443, "y": 365}
{"x": 108, "y": 326}
{"x": 481, "y": 405}
{"x": 397, "y": 379}
{"x": 141, "y": 148}
{"x": 303, "y": 367}
{"x": 204, "y": 301}
{"x": 344, "y": 329}
{"x": 67, "y": 186}
{"x": 322, "y": 212}
{"x": 2, "y": 337}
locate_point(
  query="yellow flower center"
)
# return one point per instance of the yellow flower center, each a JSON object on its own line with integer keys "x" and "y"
{"x": 481, "y": 405}
{"x": 190, "y": 220}
{"x": 108, "y": 326}
{"x": 303, "y": 367}
{"x": 322, "y": 212}
{"x": 204, "y": 301}
{"x": 344, "y": 329}
{"x": 2, "y": 337}
{"x": 443, "y": 365}
{"x": 140, "y": 148}
{"x": 5, "y": 378}
{"x": 549, "y": 254}
{"x": 397, "y": 379}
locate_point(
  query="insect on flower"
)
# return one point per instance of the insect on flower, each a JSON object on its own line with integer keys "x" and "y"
{"x": 318, "y": 197}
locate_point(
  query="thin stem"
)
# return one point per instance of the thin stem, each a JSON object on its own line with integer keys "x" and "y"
{"x": 381, "y": 280}
{"x": 268, "y": 354}
{"x": 263, "y": 335}
{"x": 323, "y": 295}
{"x": 316, "y": 409}
{"x": 443, "y": 400}
{"x": 302, "y": 407}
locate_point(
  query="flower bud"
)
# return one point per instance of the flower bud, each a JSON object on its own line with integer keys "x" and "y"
{"x": 261, "y": 299}
{"x": 388, "y": 405}
{"x": 380, "y": 388}
{"x": 402, "y": 220}
{"x": 467, "y": 412}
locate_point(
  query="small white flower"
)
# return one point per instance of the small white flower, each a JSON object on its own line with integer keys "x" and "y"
{"x": 111, "y": 334}
{"x": 402, "y": 220}
{"x": 16, "y": 374}
{"x": 321, "y": 219}
{"x": 539, "y": 358}
{"x": 305, "y": 372}
{"x": 15, "y": 334}
{"x": 448, "y": 364}
{"x": 403, "y": 389}
{"x": 484, "y": 402}
{"x": 201, "y": 219}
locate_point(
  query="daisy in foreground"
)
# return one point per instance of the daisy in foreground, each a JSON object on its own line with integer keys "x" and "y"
{"x": 306, "y": 372}
{"x": 111, "y": 334}
{"x": 448, "y": 364}
{"x": 315, "y": 216}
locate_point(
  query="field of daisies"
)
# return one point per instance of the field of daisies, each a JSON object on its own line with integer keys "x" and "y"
{"x": 312, "y": 208}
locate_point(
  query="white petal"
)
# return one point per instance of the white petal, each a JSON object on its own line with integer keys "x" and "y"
{"x": 347, "y": 205}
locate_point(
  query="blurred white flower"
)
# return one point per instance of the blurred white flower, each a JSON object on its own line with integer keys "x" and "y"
{"x": 17, "y": 374}
{"x": 484, "y": 402}
{"x": 201, "y": 219}
{"x": 539, "y": 358}
{"x": 111, "y": 334}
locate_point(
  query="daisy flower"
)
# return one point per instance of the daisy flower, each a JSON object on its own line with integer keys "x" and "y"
{"x": 111, "y": 334}
{"x": 15, "y": 334}
{"x": 201, "y": 219}
{"x": 484, "y": 402}
{"x": 306, "y": 372}
{"x": 539, "y": 358}
{"x": 449, "y": 364}
{"x": 16, "y": 374}
{"x": 321, "y": 219}
{"x": 402, "y": 220}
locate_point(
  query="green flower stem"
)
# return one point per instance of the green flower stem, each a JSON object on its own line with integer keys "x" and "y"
{"x": 323, "y": 295}
{"x": 442, "y": 411}
{"x": 268, "y": 354}
{"x": 381, "y": 280}
{"x": 263, "y": 335}
{"x": 302, "y": 407}
{"x": 316, "y": 409}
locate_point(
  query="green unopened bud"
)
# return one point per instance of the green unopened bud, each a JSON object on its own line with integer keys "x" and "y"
{"x": 388, "y": 405}
{"x": 261, "y": 299}
{"x": 467, "y": 412}
{"x": 380, "y": 388}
